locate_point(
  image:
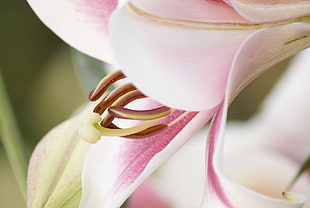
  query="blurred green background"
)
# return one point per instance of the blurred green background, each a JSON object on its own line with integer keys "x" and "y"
{"x": 44, "y": 89}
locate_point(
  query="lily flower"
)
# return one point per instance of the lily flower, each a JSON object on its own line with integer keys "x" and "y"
{"x": 262, "y": 154}
{"x": 268, "y": 150}
{"x": 188, "y": 58}
{"x": 187, "y": 47}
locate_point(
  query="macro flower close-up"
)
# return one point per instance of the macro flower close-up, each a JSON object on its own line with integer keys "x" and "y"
{"x": 175, "y": 67}
{"x": 262, "y": 154}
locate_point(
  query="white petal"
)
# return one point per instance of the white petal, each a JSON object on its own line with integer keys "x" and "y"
{"x": 271, "y": 10}
{"x": 114, "y": 167}
{"x": 186, "y": 67}
{"x": 181, "y": 178}
{"x": 223, "y": 192}
{"x": 288, "y": 105}
{"x": 285, "y": 114}
{"x": 80, "y": 23}
{"x": 190, "y": 10}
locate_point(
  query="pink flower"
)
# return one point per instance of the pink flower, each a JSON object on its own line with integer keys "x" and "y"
{"x": 269, "y": 149}
{"x": 195, "y": 56}
{"x": 186, "y": 48}
{"x": 260, "y": 156}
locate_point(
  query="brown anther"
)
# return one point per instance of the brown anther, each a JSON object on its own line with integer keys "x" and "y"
{"x": 151, "y": 131}
{"x": 106, "y": 122}
{"x": 121, "y": 102}
{"x": 113, "y": 96}
{"x": 147, "y": 132}
{"x": 125, "y": 113}
{"x": 104, "y": 84}
{"x": 112, "y": 106}
{"x": 128, "y": 98}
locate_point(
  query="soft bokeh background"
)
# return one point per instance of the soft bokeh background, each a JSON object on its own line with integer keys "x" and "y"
{"x": 44, "y": 87}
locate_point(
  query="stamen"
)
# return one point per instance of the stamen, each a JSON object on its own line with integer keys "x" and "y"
{"x": 126, "y": 113}
{"x": 121, "y": 102}
{"x": 100, "y": 123}
{"x": 145, "y": 133}
{"x": 104, "y": 84}
{"x": 128, "y": 98}
{"x": 126, "y": 131}
{"x": 113, "y": 96}
{"x": 148, "y": 132}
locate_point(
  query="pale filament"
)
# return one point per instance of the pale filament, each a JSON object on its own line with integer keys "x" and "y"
{"x": 112, "y": 105}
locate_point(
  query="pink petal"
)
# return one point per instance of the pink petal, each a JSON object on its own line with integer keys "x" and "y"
{"x": 181, "y": 178}
{"x": 80, "y": 23}
{"x": 190, "y": 10}
{"x": 146, "y": 195}
{"x": 247, "y": 64}
{"x": 271, "y": 10}
{"x": 182, "y": 67}
{"x": 114, "y": 167}
{"x": 186, "y": 66}
{"x": 290, "y": 96}
{"x": 258, "y": 168}
{"x": 264, "y": 171}
{"x": 263, "y": 49}
{"x": 221, "y": 191}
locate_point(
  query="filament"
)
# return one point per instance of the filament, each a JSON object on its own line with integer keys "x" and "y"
{"x": 113, "y": 104}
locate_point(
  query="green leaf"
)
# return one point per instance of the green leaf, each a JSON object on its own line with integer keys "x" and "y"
{"x": 305, "y": 166}
{"x": 11, "y": 139}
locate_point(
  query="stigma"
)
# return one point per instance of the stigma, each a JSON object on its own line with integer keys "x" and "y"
{"x": 111, "y": 107}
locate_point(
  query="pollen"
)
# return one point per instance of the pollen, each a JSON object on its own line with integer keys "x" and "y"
{"x": 112, "y": 105}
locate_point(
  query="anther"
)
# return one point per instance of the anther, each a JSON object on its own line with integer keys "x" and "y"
{"x": 151, "y": 131}
{"x": 104, "y": 84}
{"x": 148, "y": 132}
{"x": 126, "y": 113}
{"x": 112, "y": 105}
{"x": 113, "y": 96}
{"x": 121, "y": 102}
{"x": 128, "y": 98}
{"x": 105, "y": 131}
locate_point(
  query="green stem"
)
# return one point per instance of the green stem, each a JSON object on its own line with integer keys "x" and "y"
{"x": 11, "y": 139}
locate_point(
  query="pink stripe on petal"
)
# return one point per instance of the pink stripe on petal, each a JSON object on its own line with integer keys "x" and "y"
{"x": 253, "y": 57}
{"x": 114, "y": 167}
{"x": 152, "y": 145}
{"x": 213, "y": 180}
